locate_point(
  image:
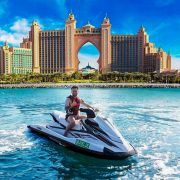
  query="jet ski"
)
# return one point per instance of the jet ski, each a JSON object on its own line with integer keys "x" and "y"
{"x": 95, "y": 136}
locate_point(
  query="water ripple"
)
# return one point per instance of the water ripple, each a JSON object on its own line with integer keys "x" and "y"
{"x": 148, "y": 118}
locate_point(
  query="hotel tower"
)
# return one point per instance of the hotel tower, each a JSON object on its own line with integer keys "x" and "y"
{"x": 57, "y": 50}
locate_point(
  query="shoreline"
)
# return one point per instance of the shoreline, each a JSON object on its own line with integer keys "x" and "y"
{"x": 91, "y": 85}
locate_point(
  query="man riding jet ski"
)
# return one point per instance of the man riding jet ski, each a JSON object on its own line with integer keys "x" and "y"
{"x": 72, "y": 106}
{"x": 91, "y": 134}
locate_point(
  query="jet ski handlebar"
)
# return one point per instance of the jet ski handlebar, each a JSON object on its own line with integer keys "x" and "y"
{"x": 89, "y": 112}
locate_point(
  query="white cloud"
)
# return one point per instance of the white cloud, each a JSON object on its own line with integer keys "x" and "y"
{"x": 11, "y": 38}
{"x": 16, "y": 32}
{"x": 21, "y": 26}
{"x": 175, "y": 62}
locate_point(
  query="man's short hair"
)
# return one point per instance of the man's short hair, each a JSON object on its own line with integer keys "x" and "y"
{"x": 74, "y": 87}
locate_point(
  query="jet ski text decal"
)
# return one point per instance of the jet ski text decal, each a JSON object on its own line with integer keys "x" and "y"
{"x": 82, "y": 143}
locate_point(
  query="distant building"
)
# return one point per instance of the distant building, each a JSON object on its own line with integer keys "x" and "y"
{"x": 87, "y": 70}
{"x": 5, "y": 59}
{"x": 15, "y": 60}
{"x": 57, "y": 50}
{"x": 156, "y": 59}
{"x": 134, "y": 53}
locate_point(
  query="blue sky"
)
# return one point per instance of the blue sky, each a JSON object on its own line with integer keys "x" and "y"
{"x": 161, "y": 19}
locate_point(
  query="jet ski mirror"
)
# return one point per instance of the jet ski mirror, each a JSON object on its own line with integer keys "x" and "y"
{"x": 89, "y": 112}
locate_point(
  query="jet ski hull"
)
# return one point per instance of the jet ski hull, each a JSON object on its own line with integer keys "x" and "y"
{"x": 70, "y": 143}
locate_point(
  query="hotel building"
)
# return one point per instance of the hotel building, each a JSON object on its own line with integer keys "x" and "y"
{"x": 134, "y": 53}
{"x": 15, "y": 60}
{"x": 57, "y": 50}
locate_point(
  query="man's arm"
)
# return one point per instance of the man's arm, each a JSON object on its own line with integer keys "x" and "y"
{"x": 67, "y": 104}
{"x": 85, "y": 104}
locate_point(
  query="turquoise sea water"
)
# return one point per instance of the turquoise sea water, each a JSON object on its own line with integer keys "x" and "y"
{"x": 148, "y": 118}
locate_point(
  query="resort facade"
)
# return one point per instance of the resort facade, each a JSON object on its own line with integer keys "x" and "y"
{"x": 55, "y": 51}
{"x": 15, "y": 60}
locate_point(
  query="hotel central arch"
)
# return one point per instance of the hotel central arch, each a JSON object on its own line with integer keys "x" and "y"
{"x": 75, "y": 38}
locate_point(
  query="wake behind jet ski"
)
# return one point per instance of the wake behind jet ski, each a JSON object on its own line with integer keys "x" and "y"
{"x": 95, "y": 136}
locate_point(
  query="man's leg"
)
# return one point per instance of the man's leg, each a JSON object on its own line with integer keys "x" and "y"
{"x": 71, "y": 124}
{"x": 82, "y": 117}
